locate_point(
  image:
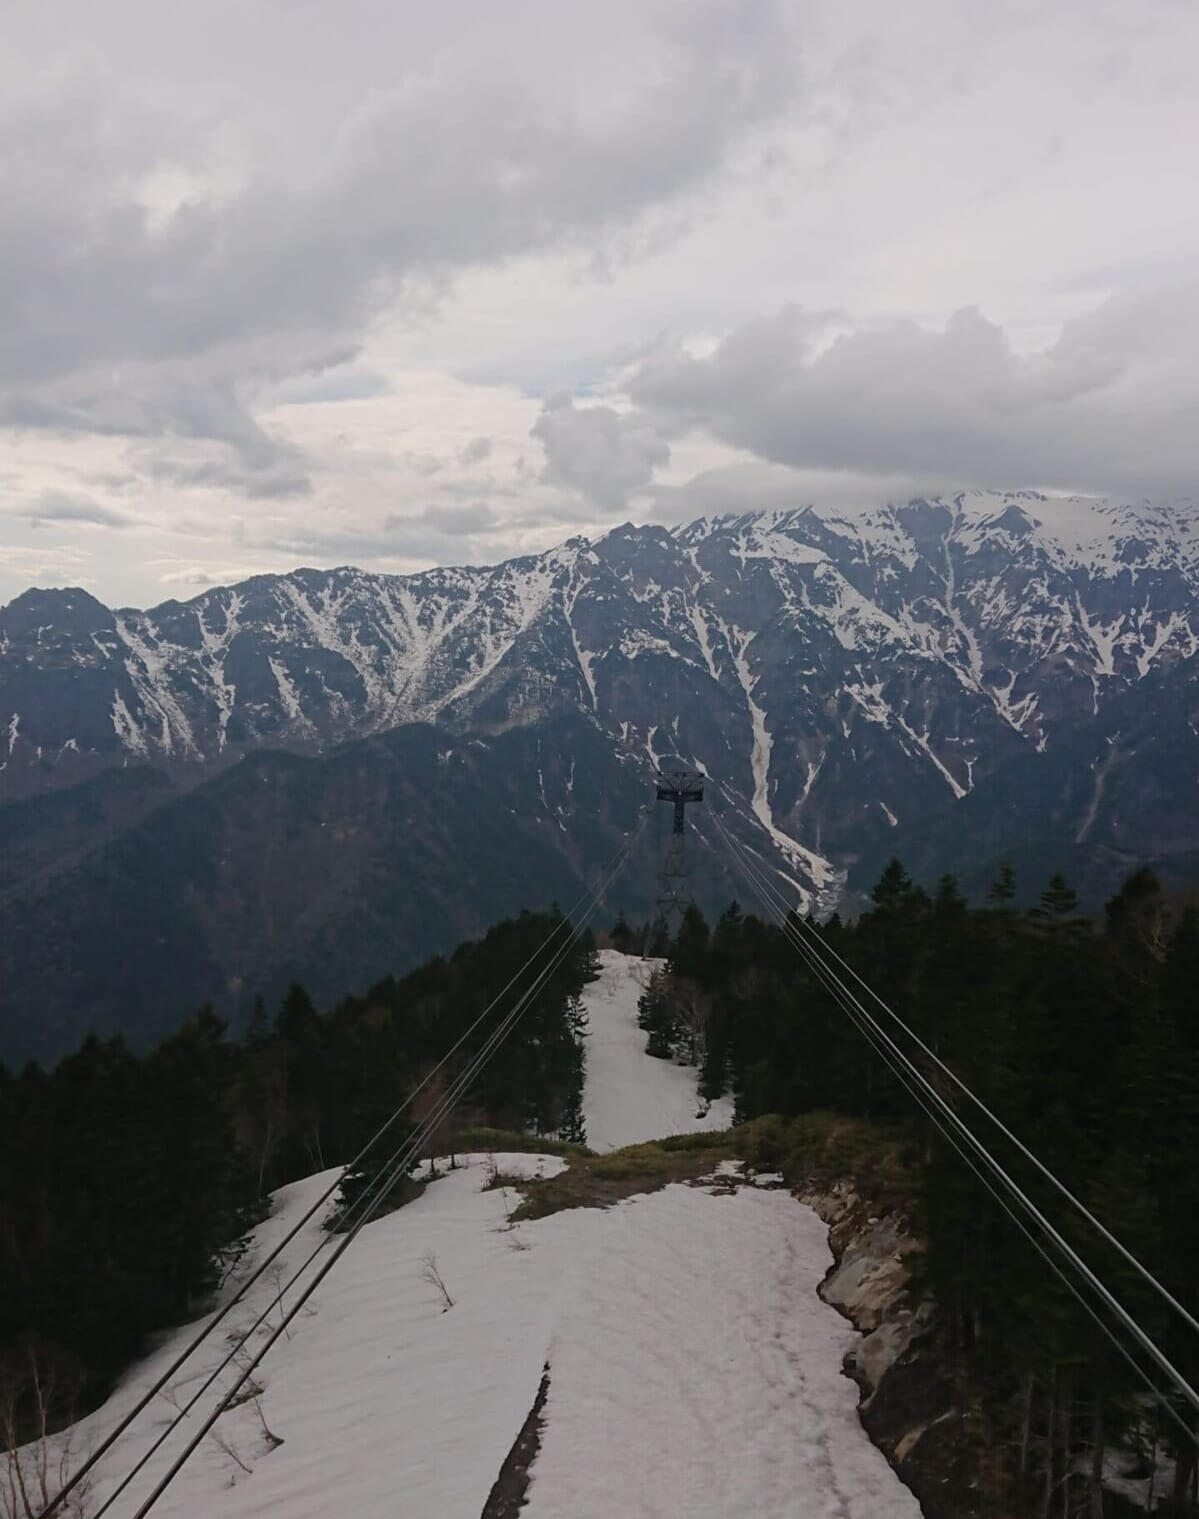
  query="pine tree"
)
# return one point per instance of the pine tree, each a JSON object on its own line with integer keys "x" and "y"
{"x": 689, "y": 952}
{"x": 1004, "y": 888}
{"x": 653, "y": 1016}
{"x": 893, "y": 887}
{"x": 623, "y": 938}
{"x": 1057, "y": 900}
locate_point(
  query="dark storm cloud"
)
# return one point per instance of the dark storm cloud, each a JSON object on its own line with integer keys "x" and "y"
{"x": 170, "y": 412}
{"x": 1111, "y": 405}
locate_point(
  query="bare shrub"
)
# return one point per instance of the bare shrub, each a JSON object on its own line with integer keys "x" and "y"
{"x": 430, "y": 1273}
{"x": 218, "y": 1437}
{"x": 35, "y": 1398}
{"x": 275, "y": 1277}
{"x": 251, "y": 1392}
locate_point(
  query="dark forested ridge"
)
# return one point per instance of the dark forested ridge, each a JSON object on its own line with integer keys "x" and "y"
{"x": 331, "y": 871}
{"x": 1082, "y": 1035}
{"x": 127, "y": 1181}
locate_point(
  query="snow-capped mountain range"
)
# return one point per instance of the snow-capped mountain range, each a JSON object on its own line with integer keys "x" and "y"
{"x": 913, "y": 649}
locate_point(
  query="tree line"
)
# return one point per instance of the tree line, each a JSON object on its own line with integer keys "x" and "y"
{"x": 1084, "y": 1037}
{"x": 129, "y": 1180}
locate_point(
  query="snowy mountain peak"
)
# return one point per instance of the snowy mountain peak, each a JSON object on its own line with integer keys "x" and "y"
{"x": 908, "y": 650}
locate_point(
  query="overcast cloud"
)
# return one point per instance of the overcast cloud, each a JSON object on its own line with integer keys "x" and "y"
{"x": 408, "y": 284}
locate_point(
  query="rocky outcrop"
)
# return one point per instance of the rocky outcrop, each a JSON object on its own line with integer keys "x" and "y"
{"x": 915, "y": 1405}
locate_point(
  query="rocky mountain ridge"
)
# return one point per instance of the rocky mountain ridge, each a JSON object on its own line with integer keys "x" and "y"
{"x": 838, "y": 675}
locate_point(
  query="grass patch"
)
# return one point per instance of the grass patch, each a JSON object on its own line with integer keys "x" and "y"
{"x": 880, "y": 1160}
{"x": 709, "y": 1139}
{"x": 597, "y": 1181}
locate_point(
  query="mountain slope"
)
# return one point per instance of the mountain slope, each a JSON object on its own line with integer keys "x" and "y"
{"x": 335, "y": 871}
{"x": 1119, "y": 791}
{"x": 960, "y": 680}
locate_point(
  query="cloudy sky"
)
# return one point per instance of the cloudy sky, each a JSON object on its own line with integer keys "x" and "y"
{"x": 389, "y": 283}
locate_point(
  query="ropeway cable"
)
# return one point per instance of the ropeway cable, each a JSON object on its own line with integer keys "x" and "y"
{"x": 451, "y": 1098}
{"x": 840, "y": 993}
{"x": 1063, "y": 1245}
{"x": 398, "y": 1163}
{"x": 401, "y": 1158}
{"x": 785, "y": 924}
{"x": 222, "y": 1313}
{"x": 392, "y": 1174}
{"x": 1121, "y": 1249}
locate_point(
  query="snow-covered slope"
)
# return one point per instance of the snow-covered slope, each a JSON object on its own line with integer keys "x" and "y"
{"x": 692, "y": 1368}
{"x": 628, "y": 1097}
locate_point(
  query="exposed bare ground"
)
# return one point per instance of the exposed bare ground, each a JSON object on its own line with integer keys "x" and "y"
{"x": 507, "y": 1497}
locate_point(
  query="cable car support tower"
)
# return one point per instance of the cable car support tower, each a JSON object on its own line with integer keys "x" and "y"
{"x": 680, "y": 787}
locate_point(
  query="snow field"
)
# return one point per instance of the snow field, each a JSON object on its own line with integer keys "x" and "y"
{"x": 693, "y": 1368}
{"x": 629, "y": 1097}
{"x": 386, "y": 1403}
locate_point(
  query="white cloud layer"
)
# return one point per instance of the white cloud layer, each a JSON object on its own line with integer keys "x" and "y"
{"x": 396, "y": 283}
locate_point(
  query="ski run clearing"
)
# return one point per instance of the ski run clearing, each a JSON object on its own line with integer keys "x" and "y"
{"x": 693, "y": 1370}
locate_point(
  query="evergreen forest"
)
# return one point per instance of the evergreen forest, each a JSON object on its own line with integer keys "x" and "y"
{"x": 1083, "y": 1036}
{"x": 128, "y": 1180}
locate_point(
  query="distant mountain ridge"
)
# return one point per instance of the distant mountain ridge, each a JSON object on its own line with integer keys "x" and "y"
{"x": 1001, "y": 667}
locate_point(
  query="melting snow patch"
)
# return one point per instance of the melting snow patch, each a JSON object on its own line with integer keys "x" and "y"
{"x": 628, "y": 1097}
{"x": 694, "y": 1369}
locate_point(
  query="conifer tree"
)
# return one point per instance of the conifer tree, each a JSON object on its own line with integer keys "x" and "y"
{"x": 1004, "y": 888}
